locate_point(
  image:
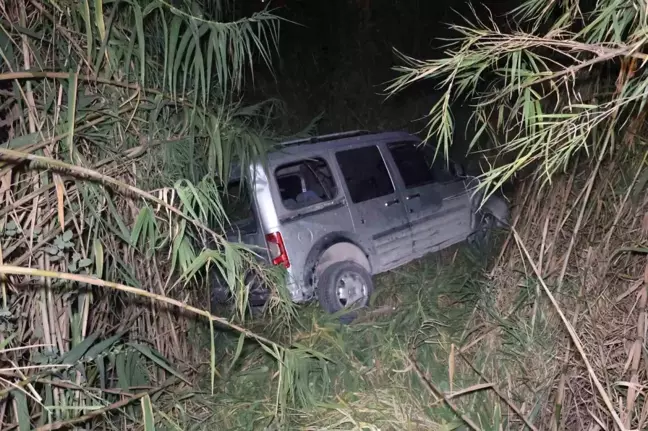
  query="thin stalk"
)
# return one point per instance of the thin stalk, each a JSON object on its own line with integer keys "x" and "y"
{"x": 34, "y": 272}
{"x": 572, "y": 333}
{"x": 47, "y": 313}
{"x": 18, "y": 156}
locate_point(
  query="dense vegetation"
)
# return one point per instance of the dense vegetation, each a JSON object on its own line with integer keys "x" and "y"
{"x": 120, "y": 121}
{"x": 562, "y": 96}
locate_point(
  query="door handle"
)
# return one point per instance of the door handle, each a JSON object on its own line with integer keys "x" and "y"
{"x": 414, "y": 196}
{"x": 390, "y": 203}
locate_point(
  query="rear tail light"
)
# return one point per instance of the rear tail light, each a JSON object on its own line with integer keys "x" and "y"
{"x": 277, "y": 249}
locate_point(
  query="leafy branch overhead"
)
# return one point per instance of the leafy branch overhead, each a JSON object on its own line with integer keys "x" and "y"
{"x": 554, "y": 86}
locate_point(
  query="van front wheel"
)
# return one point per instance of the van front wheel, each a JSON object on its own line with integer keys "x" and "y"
{"x": 344, "y": 286}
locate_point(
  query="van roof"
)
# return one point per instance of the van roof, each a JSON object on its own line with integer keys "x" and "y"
{"x": 336, "y": 141}
{"x": 289, "y": 149}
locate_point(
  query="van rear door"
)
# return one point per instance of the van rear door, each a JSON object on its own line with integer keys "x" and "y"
{"x": 243, "y": 223}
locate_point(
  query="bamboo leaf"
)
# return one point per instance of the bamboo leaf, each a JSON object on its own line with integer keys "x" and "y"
{"x": 141, "y": 223}
{"x": 230, "y": 265}
{"x": 188, "y": 68}
{"x": 72, "y": 96}
{"x": 185, "y": 196}
{"x": 99, "y": 257}
{"x": 102, "y": 346}
{"x": 49, "y": 400}
{"x": 147, "y": 413}
{"x": 139, "y": 27}
{"x": 99, "y": 20}
{"x": 237, "y": 353}
{"x": 77, "y": 352}
{"x": 181, "y": 53}
{"x": 128, "y": 56}
{"x": 85, "y": 7}
{"x": 101, "y": 369}
{"x": 200, "y": 83}
{"x": 174, "y": 35}
{"x": 22, "y": 410}
{"x": 24, "y": 141}
{"x": 116, "y": 217}
{"x": 154, "y": 356}
{"x": 123, "y": 378}
{"x": 216, "y": 144}
{"x": 222, "y": 66}
{"x": 149, "y": 8}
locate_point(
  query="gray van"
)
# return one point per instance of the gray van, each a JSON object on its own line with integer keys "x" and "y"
{"x": 335, "y": 210}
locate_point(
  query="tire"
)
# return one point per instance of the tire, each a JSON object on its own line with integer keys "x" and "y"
{"x": 341, "y": 277}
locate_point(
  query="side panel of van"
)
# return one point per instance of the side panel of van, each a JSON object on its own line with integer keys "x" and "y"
{"x": 310, "y": 204}
{"x": 376, "y": 205}
{"x": 437, "y": 204}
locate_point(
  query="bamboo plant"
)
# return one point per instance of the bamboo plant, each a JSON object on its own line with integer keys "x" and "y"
{"x": 119, "y": 126}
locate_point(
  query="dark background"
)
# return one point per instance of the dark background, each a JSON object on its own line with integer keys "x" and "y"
{"x": 337, "y": 58}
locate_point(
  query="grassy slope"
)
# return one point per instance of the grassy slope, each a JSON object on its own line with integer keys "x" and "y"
{"x": 371, "y": 381}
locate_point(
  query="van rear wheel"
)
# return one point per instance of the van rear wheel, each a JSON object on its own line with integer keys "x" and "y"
{"x": 344, "y": 285}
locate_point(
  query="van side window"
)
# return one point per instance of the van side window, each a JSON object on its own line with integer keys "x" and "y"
{"x": 417, "y": 164}
{"x": 412, "y": 164}
{"x": 365, "y": 173}
{"x": 305, "y": 183}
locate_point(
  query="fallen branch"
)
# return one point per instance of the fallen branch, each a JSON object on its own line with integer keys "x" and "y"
{"x": 438, "y": 394}
{"x": 102, "y": 411}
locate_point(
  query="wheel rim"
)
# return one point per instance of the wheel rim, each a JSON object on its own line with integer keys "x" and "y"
{"x": 351, "y": 289}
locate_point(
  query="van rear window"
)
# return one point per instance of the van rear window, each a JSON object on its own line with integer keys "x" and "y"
{"x": 305, "y": 183}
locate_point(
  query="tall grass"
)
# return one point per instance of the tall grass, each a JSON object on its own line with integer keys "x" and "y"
{"x": 561, "y": 93}
{"x": 122, "y": 123}
{"x": 402, "y": 365}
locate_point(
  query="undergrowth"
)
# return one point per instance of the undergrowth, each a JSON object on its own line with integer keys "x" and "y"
{"x": 390, "y": 369}
{"x": 106, "y": 226}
